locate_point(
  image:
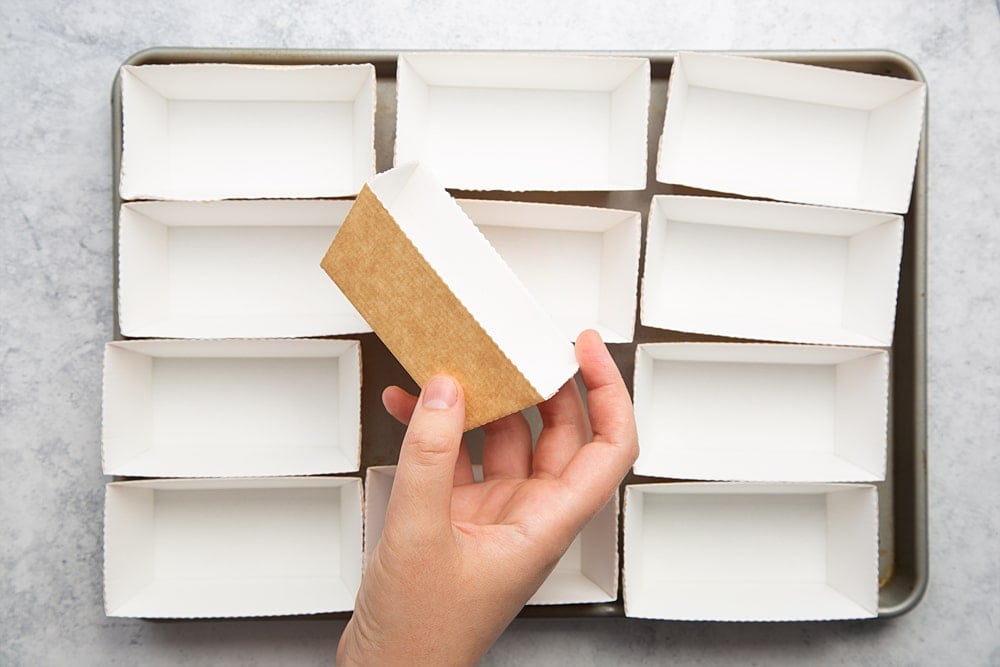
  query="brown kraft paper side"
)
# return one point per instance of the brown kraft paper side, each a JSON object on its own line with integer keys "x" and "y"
{"x": 417, "y": 317}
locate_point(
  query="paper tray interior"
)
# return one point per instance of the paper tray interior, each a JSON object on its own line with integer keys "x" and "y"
{"x": 580, "y": 263}
{"x": 220, "y": 131}
{"x": 791, "y": 132}
{"x": 223, "y": 548}
{"x": 232, "y": 269}
{"x": 771, "y": 271}
{"x": 509, "y": 121}
{"x": 189, "y": 408}
{"x": 757, "y": 412}
{"x": 742, "y": 552}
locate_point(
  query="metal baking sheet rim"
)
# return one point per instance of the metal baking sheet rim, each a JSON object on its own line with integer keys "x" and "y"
{"x": 902, "y": 588}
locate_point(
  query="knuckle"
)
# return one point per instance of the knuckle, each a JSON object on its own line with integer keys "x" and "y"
{"x": 430, "y": 449}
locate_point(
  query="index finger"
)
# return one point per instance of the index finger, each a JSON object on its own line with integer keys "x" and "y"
{"x": 597, "y": 469}
{"x": 608, "y": 402}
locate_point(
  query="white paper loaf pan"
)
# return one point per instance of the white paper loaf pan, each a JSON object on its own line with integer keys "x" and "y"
{"x": 441, "y": 298}
{"x": 183, "y": 548}
{"x": 225, "y": 131}
{"x": 745, "y": 552}
{"x": 515, "y": 121}
{"x": 230, "y": 269}
{"x": 581, "y": 263}
{"x": 793, "y": 132}
{"x": 771, "y": 271}
{"x": 225, "y": 408}
{"x": 758, "y": 412}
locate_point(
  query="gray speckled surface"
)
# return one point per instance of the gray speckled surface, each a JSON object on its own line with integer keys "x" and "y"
{"x": 58, "y": 61}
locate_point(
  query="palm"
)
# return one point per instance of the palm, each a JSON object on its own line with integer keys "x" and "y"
{"x": 522, "y": 483}
{"x": 500, "y": 501}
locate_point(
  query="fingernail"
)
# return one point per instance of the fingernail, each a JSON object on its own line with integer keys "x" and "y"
{"x": 440, "y": 393}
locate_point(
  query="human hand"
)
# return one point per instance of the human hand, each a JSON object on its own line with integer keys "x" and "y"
{"x": 457, "y": 559}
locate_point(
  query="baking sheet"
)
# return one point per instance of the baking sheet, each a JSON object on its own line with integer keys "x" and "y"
{"x": 903, "y": 567}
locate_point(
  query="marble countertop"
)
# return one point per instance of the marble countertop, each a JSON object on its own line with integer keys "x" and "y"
{"x": 59, "y": 59}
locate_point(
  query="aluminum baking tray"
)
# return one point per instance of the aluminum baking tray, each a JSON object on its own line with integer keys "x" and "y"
{"x": 903, "y": 567}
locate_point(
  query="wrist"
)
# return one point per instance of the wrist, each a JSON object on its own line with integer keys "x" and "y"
{"x": 348, "y": 654}
{"x": 354, "y": 651}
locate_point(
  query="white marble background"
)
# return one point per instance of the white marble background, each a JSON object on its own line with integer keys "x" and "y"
{"x": 58, "y": 61}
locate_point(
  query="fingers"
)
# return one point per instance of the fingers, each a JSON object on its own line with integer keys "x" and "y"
{"x": 420, "y": 503}
{"x": 507, "y": 448}
{"x": 608, "y": 401}
{"x": 400, "y": 404}
{"x": 598, "y": 468}
{"x": 506, "y": 451}
{"x": 564, "y": 431}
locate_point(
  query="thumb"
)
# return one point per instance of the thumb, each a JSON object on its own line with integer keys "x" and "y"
{"x": 421, "y": 493}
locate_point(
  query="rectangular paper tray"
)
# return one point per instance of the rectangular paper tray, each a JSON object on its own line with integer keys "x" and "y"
{"x": 903, "y": 567}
